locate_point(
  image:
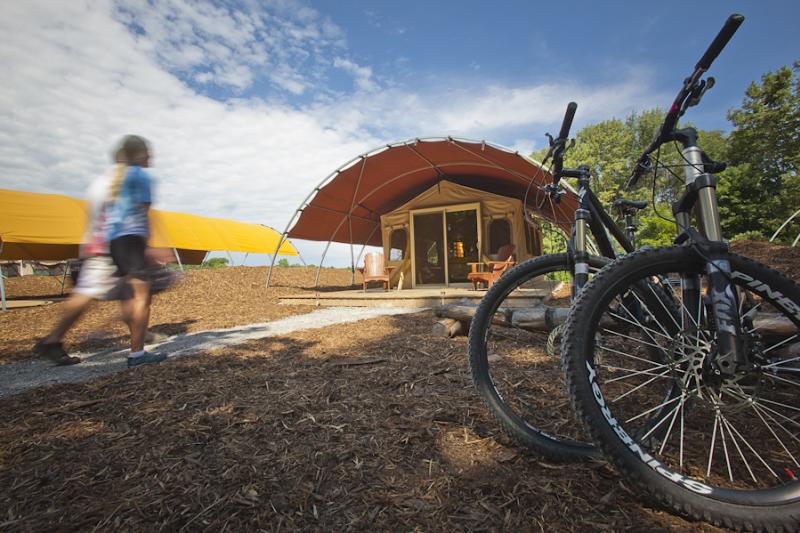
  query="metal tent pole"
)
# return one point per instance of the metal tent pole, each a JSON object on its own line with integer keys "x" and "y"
{"x": 784, "y": 225}
{"x": 178, "y": 257}
{"x": 325, "y": 252}
{"x": 2, "y": 282}
{"x": 245, "y": 258}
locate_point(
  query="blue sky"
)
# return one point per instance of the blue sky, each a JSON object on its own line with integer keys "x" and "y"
{"x": 250, "y": 104}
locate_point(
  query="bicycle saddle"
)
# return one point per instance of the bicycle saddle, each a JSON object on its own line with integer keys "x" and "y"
{"x": 622, "y": 203}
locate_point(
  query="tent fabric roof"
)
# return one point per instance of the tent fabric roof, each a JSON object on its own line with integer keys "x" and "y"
{"x": 50, "y": 226}
{"x": 346, "y": 207}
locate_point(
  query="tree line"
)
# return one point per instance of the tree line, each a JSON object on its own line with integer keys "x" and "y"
{"x": 758, "y": 191}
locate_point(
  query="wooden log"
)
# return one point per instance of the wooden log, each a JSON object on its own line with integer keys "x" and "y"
{"x": 464, "y": 312}
{"x": 787, "y": 350}
{"x": 539, "y": 318}
{"x": 448, "y": 327}
{"x": 774, "y": 324}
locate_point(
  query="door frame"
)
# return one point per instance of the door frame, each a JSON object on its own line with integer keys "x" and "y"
{"x": 473, "y": 206}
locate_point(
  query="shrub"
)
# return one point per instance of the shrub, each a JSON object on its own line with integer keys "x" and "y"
{"x": 215, "y": 262}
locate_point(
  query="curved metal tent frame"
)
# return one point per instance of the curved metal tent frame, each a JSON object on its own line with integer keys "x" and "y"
{"x": 348, "y": 216}
{"x": 794, "y": 243}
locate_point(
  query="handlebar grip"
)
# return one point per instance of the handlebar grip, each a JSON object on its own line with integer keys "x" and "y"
{"x": 642, "y": 165}
{"x": 567, "y": 123}
{"x": 719, "y": 42}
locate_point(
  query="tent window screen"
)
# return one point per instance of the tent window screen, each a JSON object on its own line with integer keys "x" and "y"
{"x": 499, "y": 234}
{"x": 398, "y": 245}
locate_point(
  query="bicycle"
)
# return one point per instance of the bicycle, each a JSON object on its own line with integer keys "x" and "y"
{"x": 512, "y": 349}
{"x": 725, "y": 447}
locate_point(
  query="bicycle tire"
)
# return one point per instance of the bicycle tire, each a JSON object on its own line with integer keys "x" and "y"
{"x": 518, "y": 411}
{"x": 704, "y": 463}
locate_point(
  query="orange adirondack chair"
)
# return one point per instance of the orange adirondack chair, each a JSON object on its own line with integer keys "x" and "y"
{"x": 506, "y": 258}
{"x": 375, "y": 269}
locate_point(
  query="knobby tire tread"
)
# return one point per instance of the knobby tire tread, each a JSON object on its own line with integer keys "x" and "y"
{"x": 681, "y": 500}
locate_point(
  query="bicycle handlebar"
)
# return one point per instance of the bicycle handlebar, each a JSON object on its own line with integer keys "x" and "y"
{"x": 720, "y": 41}
{"x": 676, "y": 109}
{"x": 560, "y": 142}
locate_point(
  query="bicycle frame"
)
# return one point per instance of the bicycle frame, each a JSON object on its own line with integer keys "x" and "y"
{"x": 591, "y": 218}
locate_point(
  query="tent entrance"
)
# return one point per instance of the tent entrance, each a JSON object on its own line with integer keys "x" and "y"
{"x": 443, "y": 241}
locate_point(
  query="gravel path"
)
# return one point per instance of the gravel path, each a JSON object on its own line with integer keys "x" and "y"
{"x": 19, "y": 377}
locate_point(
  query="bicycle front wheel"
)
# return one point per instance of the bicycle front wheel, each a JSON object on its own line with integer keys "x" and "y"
{"x": 514, "y": 346}
{"x": 724, "y": 448}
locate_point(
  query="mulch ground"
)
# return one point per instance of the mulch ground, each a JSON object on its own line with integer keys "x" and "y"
{"x": 782, "y": 258}
{"x": 205, "y": 299}
{"x": 368, "y": 426}
{"x": 350, "y": 427}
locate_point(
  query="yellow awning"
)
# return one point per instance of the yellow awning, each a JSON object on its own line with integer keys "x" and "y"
{"x": 50, "y": 226}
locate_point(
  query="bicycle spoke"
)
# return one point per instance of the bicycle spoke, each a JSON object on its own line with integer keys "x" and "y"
{"x": 645, "y": 308}
{"x": 777, "y": 438}
{"x": 632, "y": 372}
{"x": 779, "y": 378}
{"x": 637, "y": 323}
{"x": 639, "y": 386}
{"x": 731, "y": 427}
{"x": 768, "y": 409}
{"x": 661, "y": 301}
{"x": 630, "y": 356}
{"x": 618, "y": 334}
{"x": 713, "y": 445}
{"x": 656, "y": 408}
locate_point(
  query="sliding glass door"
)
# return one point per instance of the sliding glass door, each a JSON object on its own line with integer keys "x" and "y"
{"x": 445, "y": 240}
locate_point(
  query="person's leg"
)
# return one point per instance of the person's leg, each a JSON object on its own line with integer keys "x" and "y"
{"x": 72, "y": 310}
{"x": 139, "y": 313}
{"x": 129, "y": 255}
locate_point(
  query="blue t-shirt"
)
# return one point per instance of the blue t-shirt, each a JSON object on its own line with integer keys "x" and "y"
{"x": 128, "y": 214}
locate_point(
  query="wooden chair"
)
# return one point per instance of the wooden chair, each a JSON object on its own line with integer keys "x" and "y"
{"x": 374, "y": 269}
{"x": 506, "y": 258}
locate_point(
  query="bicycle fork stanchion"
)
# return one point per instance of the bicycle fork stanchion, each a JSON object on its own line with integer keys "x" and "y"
{"x": 701, "y": 191}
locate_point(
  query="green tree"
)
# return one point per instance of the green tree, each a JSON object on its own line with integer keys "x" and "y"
{"x": 283, "y": 262}
{"x": 764, "y": 188}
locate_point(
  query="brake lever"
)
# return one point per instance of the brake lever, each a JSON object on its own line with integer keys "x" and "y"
{"x": 698, "y": 92}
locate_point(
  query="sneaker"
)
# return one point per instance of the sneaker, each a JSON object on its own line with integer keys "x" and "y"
{"x": 146, "y": 359}
{"x": 55, "y": 352}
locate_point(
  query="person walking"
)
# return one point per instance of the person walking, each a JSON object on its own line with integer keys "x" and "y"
{"x": 97, "y": 279}
{"x": 128, "y": 231}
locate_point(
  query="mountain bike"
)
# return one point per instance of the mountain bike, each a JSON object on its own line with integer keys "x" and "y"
{"x": 697, "y": 402}
{"x": 513, "y": 335}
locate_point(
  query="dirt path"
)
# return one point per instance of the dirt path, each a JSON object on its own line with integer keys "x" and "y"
{"x": 19, "y": 377}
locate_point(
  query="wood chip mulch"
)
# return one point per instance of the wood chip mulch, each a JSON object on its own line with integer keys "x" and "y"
{"x": 204, "y": 299}
{"x": 369, "y": 426}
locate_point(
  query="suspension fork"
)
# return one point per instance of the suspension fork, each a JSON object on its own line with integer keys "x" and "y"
{"x": 583, "y": 217}
{"x": 730, "y": 354}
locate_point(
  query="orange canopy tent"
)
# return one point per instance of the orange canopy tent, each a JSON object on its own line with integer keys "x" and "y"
{"x": 346, "y": 207}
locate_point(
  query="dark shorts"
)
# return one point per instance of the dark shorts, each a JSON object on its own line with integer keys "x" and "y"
{"x": 127, "y": 252}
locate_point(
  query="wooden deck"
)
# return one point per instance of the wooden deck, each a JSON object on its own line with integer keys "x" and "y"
{"x": 429, "y": 297}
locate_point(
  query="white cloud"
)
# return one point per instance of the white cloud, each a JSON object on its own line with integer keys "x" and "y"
{"x": 78, "y": 78}
{"x": 362, "y": 75}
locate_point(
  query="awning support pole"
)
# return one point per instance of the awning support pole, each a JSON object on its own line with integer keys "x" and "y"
{"x": 784, "y": 225}
{"x": 325, "y": 252}
{"x": 2, "y": 283}
{"x": 245, "y": 258}
{"x": 350, "y": 220}
{"x": 2, "y": 286}
{"x": 178, "y": 257}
